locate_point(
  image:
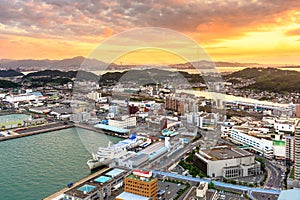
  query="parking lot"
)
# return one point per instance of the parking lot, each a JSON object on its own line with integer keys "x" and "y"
{"x": 251, "y": 179}
{"x": 264, "y": 196}
{"x": 171, "y": 189}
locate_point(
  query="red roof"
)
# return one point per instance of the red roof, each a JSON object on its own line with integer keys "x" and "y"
{"x": 140, "y": 171}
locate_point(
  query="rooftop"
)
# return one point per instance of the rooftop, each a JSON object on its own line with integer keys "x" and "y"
{"x": 91, "y": 185}
{"x": 290, "y": 194}
{"x": 202, "y": 185}
{"x": 86, "y": 188}
{"x": 102, "y": 179}
{"x": 112, "y": 128}
{"x": 127, "y": 195}
{"x": 82, "y": 191}
{"x": 152, "y": 148}
{"x": 131, "y": 176}
{"x": 115, "y": 172}
{"x": 139, "y": 157}
{"x": 278, "y": 143}
{"x": 226, "y": 152}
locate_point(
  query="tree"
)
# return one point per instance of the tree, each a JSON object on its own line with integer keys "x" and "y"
{"x": 211, "y": 185}
{"x": 262, "y": 163}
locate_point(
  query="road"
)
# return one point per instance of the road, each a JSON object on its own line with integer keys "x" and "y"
{"x": 275, "y": 178}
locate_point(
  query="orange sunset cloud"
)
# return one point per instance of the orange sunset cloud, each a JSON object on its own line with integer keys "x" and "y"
{"x": 238, "y": 30}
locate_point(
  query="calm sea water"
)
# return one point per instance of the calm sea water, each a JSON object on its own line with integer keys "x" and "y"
{"x": 37, "y": 166}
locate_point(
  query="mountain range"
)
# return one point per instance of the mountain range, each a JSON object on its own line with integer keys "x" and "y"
{"x": 64, "y": 64}
{"x": 83, "y": 63}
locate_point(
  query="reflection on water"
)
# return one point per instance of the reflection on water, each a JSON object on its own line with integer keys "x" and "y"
{"x": 230, "y": 98}
{"x": 36, "y": 166}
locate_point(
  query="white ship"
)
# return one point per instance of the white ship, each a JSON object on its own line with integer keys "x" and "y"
{"x": 105, "y": 155}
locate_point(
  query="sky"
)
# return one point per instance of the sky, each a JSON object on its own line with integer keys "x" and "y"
{"x": 254, "y": 31}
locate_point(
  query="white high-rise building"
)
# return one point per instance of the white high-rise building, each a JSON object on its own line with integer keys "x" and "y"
{"x": 289, "y": 148}
{"x": 123, "y": 122}
{"x": 94, "y": 95}
{"x": 297, "y": 151}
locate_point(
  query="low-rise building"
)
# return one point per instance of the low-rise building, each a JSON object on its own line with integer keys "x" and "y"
{"x": 20, "y": 97}
{"x": 80, "y": 117}
{"x": 202, "y": 120}
{"x": 94, "y": 95}
{"x": 226, "y": 161}
{"x": 99, "y": 188}
{"x": 284, "y": 126}
{"x": 202, "y": 189}
{"x": 40, "y": 110}
{"x": 240, "y": 135}
{"x": 123, "y": 122}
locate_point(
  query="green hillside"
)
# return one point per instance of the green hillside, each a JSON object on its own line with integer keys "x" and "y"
{"x": 270, "y": 79}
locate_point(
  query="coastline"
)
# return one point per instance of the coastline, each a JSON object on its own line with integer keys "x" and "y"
{"x": 59, "y": 193}
{"x": 40, "y": 131}
{"x": 92, "y": 128}
{"x": 57, "y": 126}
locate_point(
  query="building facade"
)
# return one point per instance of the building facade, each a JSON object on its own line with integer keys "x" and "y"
{"x": 297, "y": 152}
{"x": 181, "y": 104}
{"x": 228, "y": 162}
{"x": 240, "y": 135}
{"x": 123, "y": 122}
{"x": 94, "y": 95}
{"x": 284, "y": 126}
{"x": 142, "y": 183}
{"x": 99, "y": 187}
{"x": 202, "y": 189}
{"x": 298, "y": 110}
{"x": 289, "y": 148}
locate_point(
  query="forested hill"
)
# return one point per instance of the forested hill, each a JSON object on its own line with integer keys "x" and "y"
{"x": 10, "y": 73}
{"x": 270, "y": 79}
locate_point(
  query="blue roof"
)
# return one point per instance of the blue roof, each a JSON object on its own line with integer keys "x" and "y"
{"x": 38, "y": 94}
{"x": 102, "y": 179}
{"x": 114, "y": 172}
{"x": 290, "y": 194}
{"x": 167, "y": 132}
{"x": 133, "y": 136}
{"x": 130, "y": 196}
{"x": 86, "y": 188}
{"x": 111, "y": 128}
{"x": 157, "y": 153}
{"x": 140, "y": 156}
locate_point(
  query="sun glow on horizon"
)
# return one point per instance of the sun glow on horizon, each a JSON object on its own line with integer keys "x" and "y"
{"x": 249, "y": 31}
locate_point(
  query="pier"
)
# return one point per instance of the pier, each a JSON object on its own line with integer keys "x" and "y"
{"x": 54, "y": 126}
{"x": 58, "y": 194}
{"x": 92, "y": 128}
{"x": 38, "y": 130}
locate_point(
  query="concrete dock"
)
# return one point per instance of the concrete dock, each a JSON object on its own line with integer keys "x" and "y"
{"x": 92, "y": 128}
{"x": 54, "y": 126}
{"x": 59, "y": 193}
{"x": 38, "y": 130}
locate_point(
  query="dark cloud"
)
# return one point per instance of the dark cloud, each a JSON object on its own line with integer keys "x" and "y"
{"x": 77, "y": 18}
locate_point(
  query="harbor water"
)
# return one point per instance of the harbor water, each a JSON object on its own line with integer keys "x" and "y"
{"x": 34, "y": 167}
